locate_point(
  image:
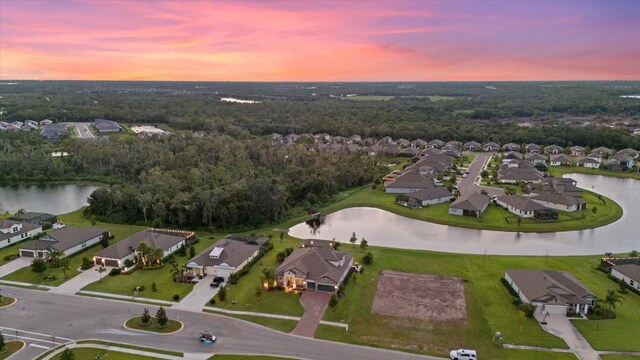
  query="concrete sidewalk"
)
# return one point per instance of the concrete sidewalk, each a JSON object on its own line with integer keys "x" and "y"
{"x": 199, "y": 296}
{"x": 75, "y": 284}
{"x": 125, "y": 297}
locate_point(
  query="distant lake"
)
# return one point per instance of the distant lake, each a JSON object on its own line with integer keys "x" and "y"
{"x": 54, "y": 199}
{"x": 383, "y": 228}
{"x": 630, "y": 96}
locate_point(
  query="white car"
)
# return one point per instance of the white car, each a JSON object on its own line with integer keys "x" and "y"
{"x": 462, "y": 354}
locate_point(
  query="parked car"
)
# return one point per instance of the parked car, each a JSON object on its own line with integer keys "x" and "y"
{"x": 462, "y": 354}
{"x": 217, "y": 281}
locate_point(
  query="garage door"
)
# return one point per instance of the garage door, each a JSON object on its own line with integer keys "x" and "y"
{"x": 311, "y": 285}
{"x": 113, "y": 263}
{"x": 326, "y": 288}
{"x": 26, "y": 253}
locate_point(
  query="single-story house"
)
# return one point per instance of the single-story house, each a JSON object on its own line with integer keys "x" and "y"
{"x": 419, "y": 143}
{"x": 602, "y": 150}
{"x": 103, "y": 125}
{"x": 403, "y": 142}
{"x": 553, "y": 149}
{"x": 536, "y": 158}
{"x": 45, "y": 122}
{"x": 561, "y": 202}
{"x": 623, "y": 160}
{"x": 561, "y": 160}
{"x": 511, "y": 147}
{"x": 54, "y": 131}
{"x": 552, "y": 292}
{"x": 628, "y": 152}
{"x": 491, "y": 147}
{"x": 225, "y": 257}
{"x": 577, "y": 151}
{"x": 409, "y": 152}
{"x": 532, "y": 148}
{"x": 454, "y": 144}
{"x": 327, "y": 244}
{"x": 437, "y": 143}
{"x": 126, "y": 249}
{"x": 629, "y": 273}
{"x": 12, "y": 232}
{"x": 408, "y": 182}
{"x": 515, "y": 171}
{"x": 513, "y": 155}
{"x": 35, "y": 218}
{"x": 589, "y": 163}
{"x": 472, "y": 146}
{"x": 314, "y": 268}
{"x": 471, "y": 205}
{"x": 520, "y": 205}
{"x": 68, "y": 241}
{"x": 431, "y": 196}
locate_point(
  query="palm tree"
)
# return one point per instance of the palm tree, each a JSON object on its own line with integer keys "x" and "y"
{"x": 612, "y": 299}
{"x": 54, "y": 257}
{"x": 65, "y": 263}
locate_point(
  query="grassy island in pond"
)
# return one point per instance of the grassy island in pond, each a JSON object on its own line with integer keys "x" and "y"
{"x": 494, "y": 218}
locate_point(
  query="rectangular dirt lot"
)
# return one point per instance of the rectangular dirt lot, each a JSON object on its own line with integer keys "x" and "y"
{"x": 419, "y": 296}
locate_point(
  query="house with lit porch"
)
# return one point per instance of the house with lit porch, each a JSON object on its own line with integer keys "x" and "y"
{"x": 314, "y": 268}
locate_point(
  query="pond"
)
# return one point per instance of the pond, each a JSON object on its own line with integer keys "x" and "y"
{"x": 382, "y": 228}
{"x": 54, "y": 199}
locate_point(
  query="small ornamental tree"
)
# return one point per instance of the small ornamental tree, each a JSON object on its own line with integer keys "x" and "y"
{"x": 258, "y": 292}
{"x": 104, "y": 241}
{"x": 192, "y": 251}
{"x": 67, "y": 354}
{"x": 353, "y": 239}
{"x": 333, "y": 302}
{"x": 3, "y": 345}
{"x": 363, "y": 244}
{"x": 161, "y": 317}
{"x": 154, "y": 288}
{"x": 65, "y": 263}
{"x": 594, "y": 210}
{"x": 367, "y": 259}
{"x": 222, "y": 293}
{"x": 146, "y": 317}
{"x": 38, "y": 265}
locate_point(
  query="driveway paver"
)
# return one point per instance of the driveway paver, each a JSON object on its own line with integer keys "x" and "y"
{"x": 14, "y": 265}
{"x": 314, "y": 304}
{"x": 199, "y": 296}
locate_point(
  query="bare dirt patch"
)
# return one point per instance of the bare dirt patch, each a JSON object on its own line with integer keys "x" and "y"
{"x": 419, "y": 296}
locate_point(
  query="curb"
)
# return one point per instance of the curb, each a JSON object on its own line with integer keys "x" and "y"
{"x": 153, "y": 332}
{"x": 15, "y": 300}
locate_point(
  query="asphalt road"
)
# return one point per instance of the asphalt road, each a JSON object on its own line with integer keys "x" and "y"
{"x": 83, "y": 130}
{"x": 467, "y": 185}
{"x": 75, "y": 317}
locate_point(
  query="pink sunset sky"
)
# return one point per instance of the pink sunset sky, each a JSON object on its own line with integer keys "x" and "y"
{"x": 319, "y": 41}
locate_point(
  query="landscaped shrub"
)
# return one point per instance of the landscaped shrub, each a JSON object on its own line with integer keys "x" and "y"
{"x": 38, "y": 265}
{"x": 86, "y": 263}
{"x": 128, "y": 263}
{"x": 222, "y": 293}
{"x": 115, "y": 271}
{"x": 284, "y": 254}
{"x": 508, "y": 286}
{"x": 233, "y": 278}
{"x": 139, "y": 288}
{"x": 11, "y": 257}
{"x": 49, "y": 277}
{"x": 212, "y": 301}
{"x": 367, "y": 259}
{"x": 176, "y": 297}
{"x": 527, "y": 309}
{"x": 46, "y": 225}
{"x": 627, "y": 286}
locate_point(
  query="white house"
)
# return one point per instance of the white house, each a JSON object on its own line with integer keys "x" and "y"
{"x": 560, "y": 160}
{"x": 225, "y": 257}
{"x": 629, "y": 273}
{"x": 432, "y": 196}
{"x": 12, "y": 232}
{"x": 117, "y": 254}
{"x": 562, "y": 202}
{"x": 471, "y": 205}
{"x": 519, "y": 205}
{"x": 68, "y": 241}
{"x": 408, "y": 182}
{"x": 552, "y": 292}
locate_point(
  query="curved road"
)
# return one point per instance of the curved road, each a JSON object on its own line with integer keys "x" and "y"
{"x": 75, "y": 317}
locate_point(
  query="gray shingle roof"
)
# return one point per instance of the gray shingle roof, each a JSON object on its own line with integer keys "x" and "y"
{"x": 154, "y": 238}
{"x": 312, "y": 263}
{"x": 556, "y": 198}
{"x": 630, "y": 270}
{"x": 234, "y": 253}
{"x": 549, "y": 285}
{"x": 472, "y": 202}
{"x": 521, "y": 203}
{"x": 65, "y": 238}
{"x": 434, "y": 192}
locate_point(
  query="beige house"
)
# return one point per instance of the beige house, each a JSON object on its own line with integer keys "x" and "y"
{"x": 314, "y": 268}
{"x": 225, "y": 257}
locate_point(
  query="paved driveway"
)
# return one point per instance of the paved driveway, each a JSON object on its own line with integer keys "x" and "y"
{"x": 314, "y": 304}
{"x": 562, "y": 327}
{"x": 71, "y": 287}
{"x": 14, "y": 265}
{"x": 199, "y": 296}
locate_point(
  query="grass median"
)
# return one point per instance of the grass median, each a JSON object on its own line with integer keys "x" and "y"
{"x": 171, "y": 326}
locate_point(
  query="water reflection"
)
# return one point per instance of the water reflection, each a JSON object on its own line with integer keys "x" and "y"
{"x": 383, "y": 228}
{"x": 49, "y": 198}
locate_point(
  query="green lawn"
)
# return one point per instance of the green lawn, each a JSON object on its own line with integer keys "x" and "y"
{"x": 166, "y": 288}
{"x": 272, "y": 302}
{"x": 619, "y": 357}
{"x": 494, "y": 218}
{"x": 276, "y": 324}
{"x": 514, "y": 354}
{"x": 129, "y": 346}
{"x": 12, "y": 348}
{"x": 172, "y": 325}
{"x": 488, "y": 306}
{"x": 92, "y": 353}
{"x": 9, "y": 250}
{"x": 558, "y": 171}
{"x": 74, "y": 219}
{"x": 6, "y": 300}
